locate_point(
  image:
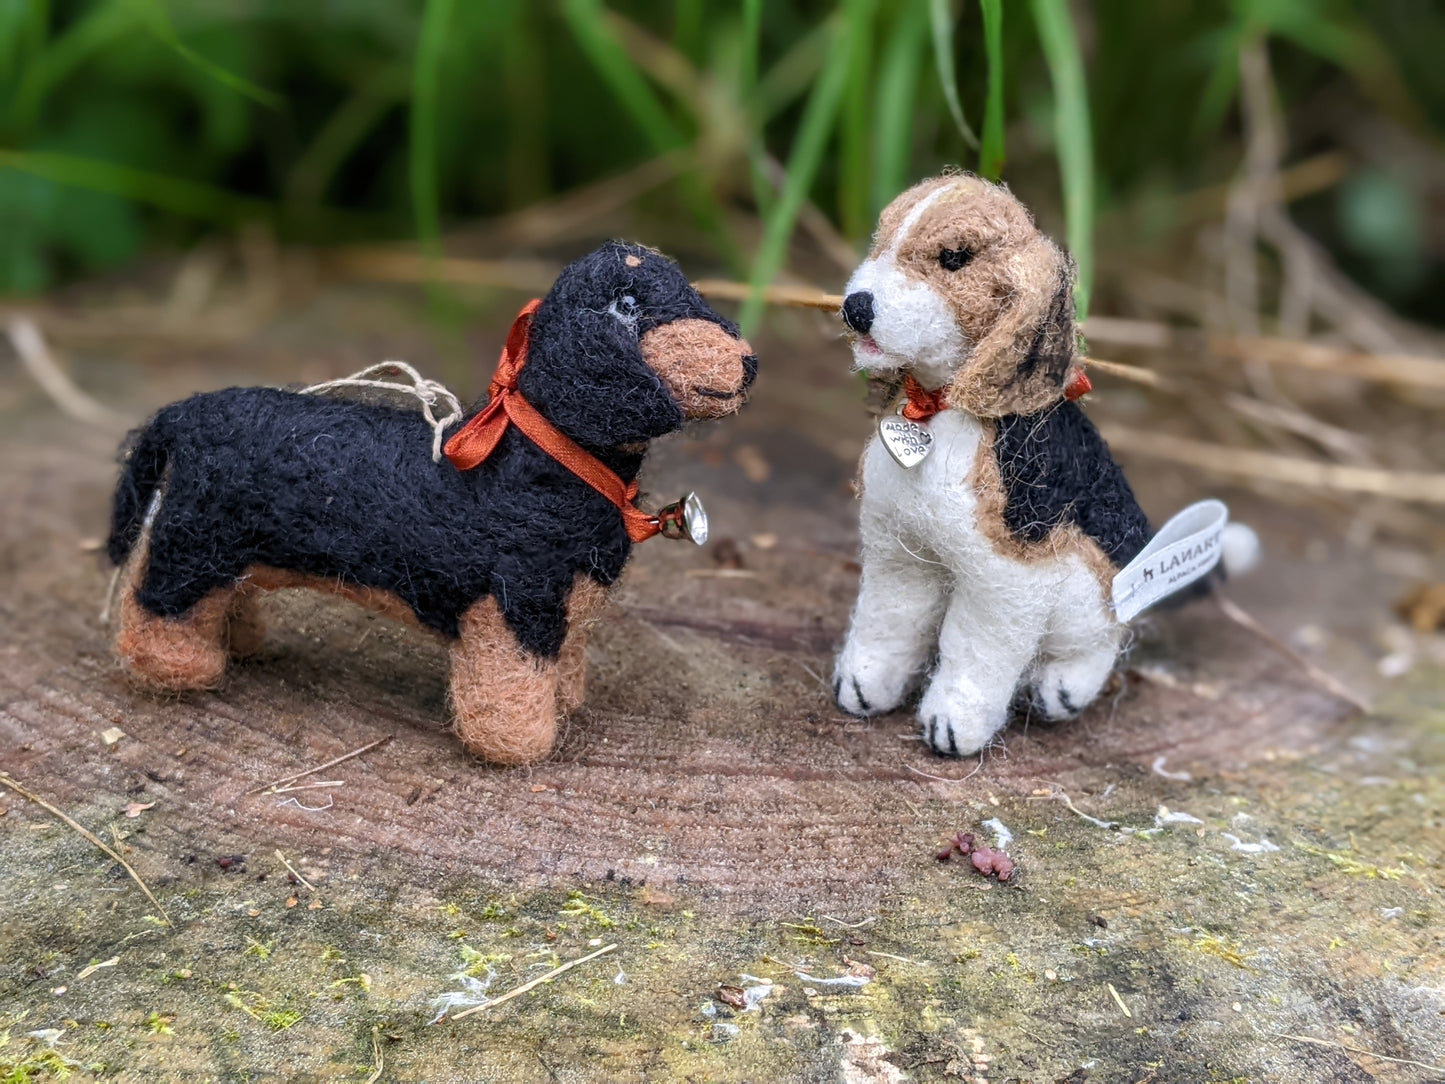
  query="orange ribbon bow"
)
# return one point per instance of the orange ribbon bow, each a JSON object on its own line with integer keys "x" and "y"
{"x": 922, "y": 404}
{"x": 1078, "y": 386}
{"x": 476, "y": 440}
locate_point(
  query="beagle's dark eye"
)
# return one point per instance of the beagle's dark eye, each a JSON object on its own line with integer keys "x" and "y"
{"x": 954, "y": 259}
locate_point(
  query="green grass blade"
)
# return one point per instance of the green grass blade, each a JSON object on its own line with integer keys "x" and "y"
{"x": 344, "y": 131}
{"x": 1072, "y": 136}
{"x": 52, "y": 64}
{"x": 175, "y": 194}
{"x": 1221, "y": 87}
{"x": 18, "y": 24}
{"x": 893, "y": 101}
{"x": 751, "y": 45}
{"x": 688, "y": 18}
{"x": 991, "y": 153}
{"x": 793, "y": 73}
{"x": 426, "y": 79}
{"x": 853, "y": 144}
{"x": 814, "y": 129}
{"x": 942, "y": 22}
{"x": 588, "y": 24}
{"x": 161, "y": 26}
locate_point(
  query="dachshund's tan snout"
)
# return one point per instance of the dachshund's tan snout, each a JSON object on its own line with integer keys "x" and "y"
{"x": 706, "y": 368}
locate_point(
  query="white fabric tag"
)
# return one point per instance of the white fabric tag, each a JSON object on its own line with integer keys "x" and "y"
{"x": 1184, "y": 549}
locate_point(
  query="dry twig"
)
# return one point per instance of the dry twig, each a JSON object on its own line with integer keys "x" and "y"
{"x": 1383, "y": 368}
{"x": 1135, "y": 374}
{"x": 1119, "y": 1001}
{"x": 945, "y": 778}
{"x": 1402, "y": 369}
{"x": 294, "y": 873}
{"x": 1057, "y": 794}
{"x": 321, "y": 785}
{"x": 376, "y": 1055}
{"x": 1327, "y": 681}
{"x": 1343, "y": 444}
{"x": 535, "y": 982}
{"x": 88, "y": 835}
{"x": 1359, "y": 1050}
{"x": 397, "y": 264}
{"x": 320, "y": 767}
{"x": 794, "y": 297}
{"x": 1268, "y": 467}
{"x": 35, "y": 355}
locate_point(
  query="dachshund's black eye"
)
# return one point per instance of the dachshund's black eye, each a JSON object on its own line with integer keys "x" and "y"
{"x": 954, "y": 259}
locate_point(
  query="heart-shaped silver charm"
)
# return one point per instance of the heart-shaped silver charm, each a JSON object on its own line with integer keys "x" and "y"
{"x": 907, "y": 442}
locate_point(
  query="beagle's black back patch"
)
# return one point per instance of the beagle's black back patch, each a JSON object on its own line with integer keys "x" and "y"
{"x": 1056, "y": 469}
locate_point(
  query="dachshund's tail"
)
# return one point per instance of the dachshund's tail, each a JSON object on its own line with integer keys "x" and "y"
{"x": 141, "y": 475}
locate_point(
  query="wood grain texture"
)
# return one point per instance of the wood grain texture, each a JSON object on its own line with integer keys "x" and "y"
{"x": 708, "y": 752}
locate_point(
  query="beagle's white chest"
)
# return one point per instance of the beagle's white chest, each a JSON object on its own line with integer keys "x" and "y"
{"x": 934, "y": 497}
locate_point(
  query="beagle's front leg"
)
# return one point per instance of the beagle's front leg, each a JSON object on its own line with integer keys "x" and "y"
{"x": 893, "y": 629}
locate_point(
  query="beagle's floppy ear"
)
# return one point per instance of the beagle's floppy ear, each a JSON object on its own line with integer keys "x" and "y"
{"x": 1021, "y": 364}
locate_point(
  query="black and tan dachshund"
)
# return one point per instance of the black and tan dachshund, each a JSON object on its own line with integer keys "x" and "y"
{"x": 238, "y": 491}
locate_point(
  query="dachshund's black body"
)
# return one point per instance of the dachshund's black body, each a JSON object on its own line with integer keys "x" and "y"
{"x": 348, "y": 491}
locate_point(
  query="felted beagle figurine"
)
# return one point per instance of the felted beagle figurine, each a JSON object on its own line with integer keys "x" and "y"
{"x": 505, "y": 547}
{"x": 994, "y": 522}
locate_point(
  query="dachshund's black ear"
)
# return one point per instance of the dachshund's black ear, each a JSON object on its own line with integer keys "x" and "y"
{"x": 586, "y": 373}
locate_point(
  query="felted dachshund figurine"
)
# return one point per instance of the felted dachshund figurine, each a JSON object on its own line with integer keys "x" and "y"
{"x": 505, "y": 547}
{"x": 993, "y": 519}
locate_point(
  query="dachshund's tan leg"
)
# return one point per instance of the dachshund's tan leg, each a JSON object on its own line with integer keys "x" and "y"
{"x": 172, "y": 653}
{"x": 245, "y": 627}
{"x": 583, "y": 607}
{"x": 504, "y": 698}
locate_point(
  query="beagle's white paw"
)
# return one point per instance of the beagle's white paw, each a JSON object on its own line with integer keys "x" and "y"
{"x": 869, "y": 686}
{"x": 1062, "y": 688}
{"x": 958, "y": 721}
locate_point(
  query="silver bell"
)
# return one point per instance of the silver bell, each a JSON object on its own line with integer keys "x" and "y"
{"x": 684, "y": 519}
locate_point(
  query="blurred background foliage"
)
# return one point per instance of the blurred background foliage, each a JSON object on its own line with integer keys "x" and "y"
{"x": 140, "y": 126}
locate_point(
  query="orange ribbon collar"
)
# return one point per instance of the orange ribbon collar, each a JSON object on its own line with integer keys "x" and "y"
{"x": 923, "y": 404}
{"x": 476, "y": 440}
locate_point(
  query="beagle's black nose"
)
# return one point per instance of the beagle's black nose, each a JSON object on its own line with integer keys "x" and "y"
{"x": 858, "y": 311}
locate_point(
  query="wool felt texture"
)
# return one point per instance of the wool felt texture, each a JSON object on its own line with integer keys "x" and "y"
{"x": 950, "y": 600}
{"x": 172, "y": 655}
{"x": 987, "y": 567}
{"x": 1055, "y": 468}
{"x": 963, "y": 290}
{"x": 479, "y": 437}
{"x": 264, "y": 488}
